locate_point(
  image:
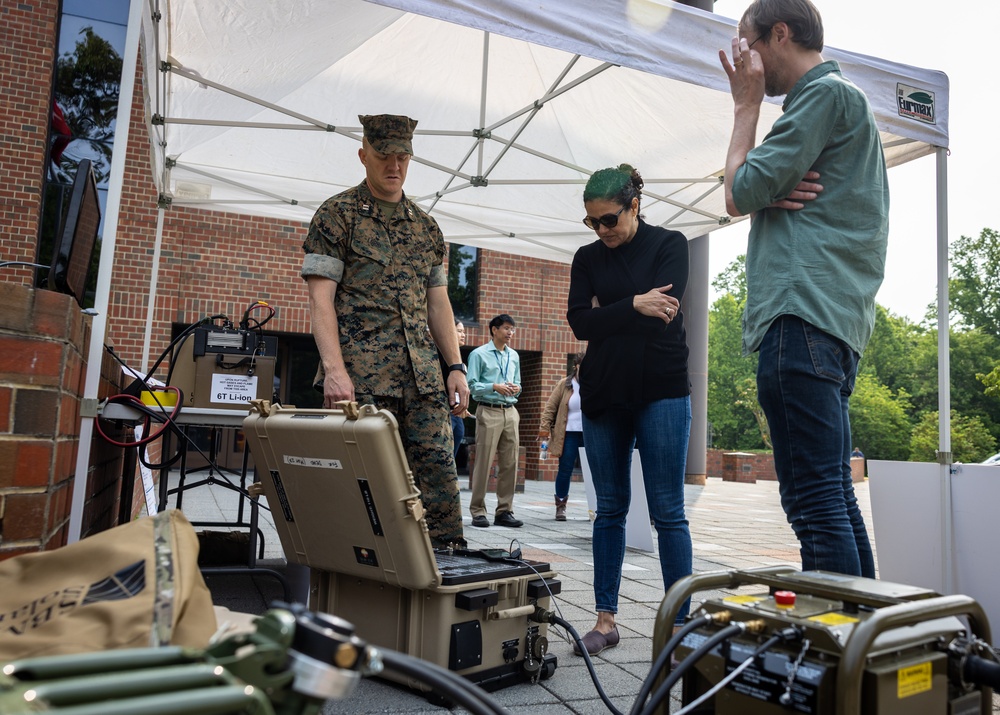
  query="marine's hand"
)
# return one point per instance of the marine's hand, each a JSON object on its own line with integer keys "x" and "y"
{"x": 806, "y": 190}
{"x": 458, "y": 386}
{"x": 657, "y": 304}
{"x": 337, "y": 386}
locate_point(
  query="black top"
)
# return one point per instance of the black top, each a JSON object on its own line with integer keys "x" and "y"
{"x": 631, "y": 358}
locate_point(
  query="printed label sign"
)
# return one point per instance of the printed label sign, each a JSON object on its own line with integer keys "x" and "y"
{"x": 315, "y": 462}
{"x": 233, "y": 389}
{"x": 913, "y": 679}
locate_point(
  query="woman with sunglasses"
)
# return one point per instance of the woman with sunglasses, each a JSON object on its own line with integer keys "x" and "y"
{"x": 624, "y": 298}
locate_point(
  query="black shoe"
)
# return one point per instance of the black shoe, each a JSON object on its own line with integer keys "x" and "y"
{"x": 507, "y": 519}
{"x": 481, "y": 521}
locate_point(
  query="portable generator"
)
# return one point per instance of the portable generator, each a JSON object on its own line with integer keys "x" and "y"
{"x": 823, "y": 643}
{"x": 223, "y": 367}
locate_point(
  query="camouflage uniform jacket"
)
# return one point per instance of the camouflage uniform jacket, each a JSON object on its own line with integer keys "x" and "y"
{"x": 383, "y": 269}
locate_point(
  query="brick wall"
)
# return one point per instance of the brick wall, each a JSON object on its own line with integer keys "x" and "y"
{"x": 44, "y": 339}
{"x": 735, "y": 466}
{"x": 27, "y": 54}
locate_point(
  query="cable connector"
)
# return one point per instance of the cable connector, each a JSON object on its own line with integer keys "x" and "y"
{"x": 721, "y": 618}
{"x": 542, "y": 615}
{"x": 755, "y": 626}
{"x": 791, "y": 633}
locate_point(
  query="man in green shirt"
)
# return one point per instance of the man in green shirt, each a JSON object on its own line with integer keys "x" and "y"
{"x": 812, "y": 272}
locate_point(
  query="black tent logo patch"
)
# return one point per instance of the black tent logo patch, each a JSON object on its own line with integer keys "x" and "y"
{"x": 915, "y": 103}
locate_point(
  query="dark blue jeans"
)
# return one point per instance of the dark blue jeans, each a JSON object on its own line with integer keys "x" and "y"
{"x": 805, "y": 378}
{"x": 457, "y": 431}
{"x": 660, "y": 431}
{"x": 567, "y": 460}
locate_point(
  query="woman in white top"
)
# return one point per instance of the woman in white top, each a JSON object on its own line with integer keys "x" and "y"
{"x": 562, "y": 425}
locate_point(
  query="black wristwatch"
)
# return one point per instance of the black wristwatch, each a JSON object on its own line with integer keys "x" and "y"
{"x": 460, "y": 366}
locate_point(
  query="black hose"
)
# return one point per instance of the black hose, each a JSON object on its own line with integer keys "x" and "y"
{"x": 664, "y": 690}
{"x": 586, "y": 659}
{"x": 982, "y": 671}
{"x": 443, "y": 682}
{"x": 664, "y": 657}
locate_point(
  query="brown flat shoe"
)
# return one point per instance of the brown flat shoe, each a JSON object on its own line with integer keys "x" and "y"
{"x": 595, "y": 641}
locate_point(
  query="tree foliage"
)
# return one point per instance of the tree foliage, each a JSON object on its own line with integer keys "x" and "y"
{"x": 879, "y": 417}
{"x": 974, "y": 286}
{"x": 732, "y": 383}
{"x": 890, "y": 352}
{"x": 971, "y": 353}
{"x": 88, "y": 83}
{"x": 970, "y": 440}
{"x": 895, "y": 402}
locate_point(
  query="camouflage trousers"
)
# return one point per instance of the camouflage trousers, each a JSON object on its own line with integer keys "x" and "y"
{"x": 425, "y": 429}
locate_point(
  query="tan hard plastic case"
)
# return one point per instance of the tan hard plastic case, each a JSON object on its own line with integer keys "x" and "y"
{"x": 341, "y": 494}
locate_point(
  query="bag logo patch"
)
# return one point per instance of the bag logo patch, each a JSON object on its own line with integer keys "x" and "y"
{"x": 124, "y": 584}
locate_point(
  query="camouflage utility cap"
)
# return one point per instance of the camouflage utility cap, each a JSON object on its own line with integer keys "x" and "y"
{"x": 389, "y": 133}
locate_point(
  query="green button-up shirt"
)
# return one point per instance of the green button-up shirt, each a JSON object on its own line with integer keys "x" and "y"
{"x": 489, "y": 366}
{"x": 825, "y": 262}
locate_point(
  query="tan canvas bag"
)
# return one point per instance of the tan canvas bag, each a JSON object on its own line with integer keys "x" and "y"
{"x": 133, "y": 586}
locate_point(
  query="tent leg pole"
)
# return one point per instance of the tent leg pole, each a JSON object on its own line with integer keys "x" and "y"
{"x": 944, "y": 456}
{"x": 103, "y": 294}
{"x": 153, "y": 280}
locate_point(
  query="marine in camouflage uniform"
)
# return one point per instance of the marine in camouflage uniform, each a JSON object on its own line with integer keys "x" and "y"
{"x": 376, "y": 259}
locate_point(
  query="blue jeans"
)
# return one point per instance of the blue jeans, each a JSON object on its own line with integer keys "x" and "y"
{"x": 660, "y": 431}
{"x": 805, "y": 378}
{"x": 457, "y": 431}
{"x": 567, "y": 460}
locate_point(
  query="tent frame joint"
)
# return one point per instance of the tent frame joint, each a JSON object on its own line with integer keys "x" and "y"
{"x": 165, "y": 66}
{"x": 163, "y": 201}
{"x": 482, "y": 133}
{"x": 479, "y": 181}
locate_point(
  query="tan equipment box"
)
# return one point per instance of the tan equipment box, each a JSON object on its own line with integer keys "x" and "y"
{"x": 223, "y": 368}
{"x": 345, "y": 504}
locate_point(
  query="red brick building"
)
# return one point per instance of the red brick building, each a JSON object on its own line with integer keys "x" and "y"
{"x": 210, "y": 263}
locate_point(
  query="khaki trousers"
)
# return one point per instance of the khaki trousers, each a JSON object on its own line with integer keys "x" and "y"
{"x": 496, "y": 433}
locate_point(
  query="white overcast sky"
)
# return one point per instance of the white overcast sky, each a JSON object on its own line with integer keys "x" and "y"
{"x": 958, "y": 40}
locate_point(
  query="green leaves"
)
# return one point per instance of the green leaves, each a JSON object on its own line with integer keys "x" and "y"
{"x": 895, "y": 401}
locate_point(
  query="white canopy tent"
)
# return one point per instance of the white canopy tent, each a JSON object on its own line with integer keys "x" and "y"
{"x": 252, "y": 108}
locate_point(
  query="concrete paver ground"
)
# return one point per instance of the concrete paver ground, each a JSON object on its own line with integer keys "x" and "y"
{"x": 733, "y": 526}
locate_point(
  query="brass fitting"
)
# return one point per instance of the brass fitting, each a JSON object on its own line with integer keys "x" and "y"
{"x": 755, "y": 626}
{"x": 721, "y": 618}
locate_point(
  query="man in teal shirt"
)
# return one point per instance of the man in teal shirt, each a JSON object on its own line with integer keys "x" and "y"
{"x": 495, "y": 383}
{"x": 815, "y": 261}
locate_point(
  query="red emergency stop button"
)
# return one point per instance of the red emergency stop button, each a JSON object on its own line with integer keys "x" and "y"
{"x": 784, "y": 599}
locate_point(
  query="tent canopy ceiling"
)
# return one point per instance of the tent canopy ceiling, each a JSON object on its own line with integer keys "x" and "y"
{"x": 253, "y": 108}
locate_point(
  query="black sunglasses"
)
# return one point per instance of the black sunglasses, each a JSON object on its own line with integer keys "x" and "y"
{"x": 607, "y": 220}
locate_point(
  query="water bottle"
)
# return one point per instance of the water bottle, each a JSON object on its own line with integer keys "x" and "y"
{"x": 544, "y": 450}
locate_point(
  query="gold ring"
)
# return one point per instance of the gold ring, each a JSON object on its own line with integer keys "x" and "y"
{"x": 737, "y": 63}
